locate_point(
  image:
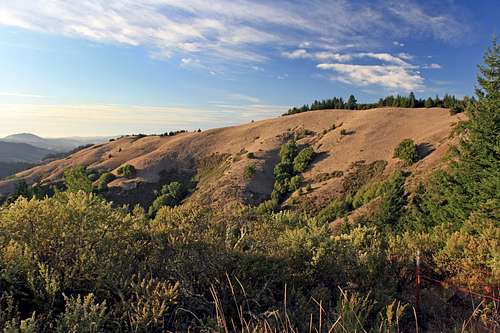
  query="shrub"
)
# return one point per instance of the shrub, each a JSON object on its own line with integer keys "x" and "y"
{"x": 343, "y": 132}
{"x": 249, "y": 171}
{"x": 407, "y": 151}
{"x": 303, "y": 159}
{"x": 76, "y": 179}
{"x": 127, "y": 171}
{"x": 104, "y": 180}
{"x": 82, "y": 315}
{"x": 170, "y": 195}
{"x": 250, "y": 155}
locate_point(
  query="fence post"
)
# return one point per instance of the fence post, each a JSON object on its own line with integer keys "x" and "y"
{"x": 417, "y": 289}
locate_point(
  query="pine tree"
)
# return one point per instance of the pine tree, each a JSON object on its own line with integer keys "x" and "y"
{"x": 429, "y": 103}
{"x": 351, "y": 103}
{"x": 474, "y": 177}
{"x": 412, "y": 100}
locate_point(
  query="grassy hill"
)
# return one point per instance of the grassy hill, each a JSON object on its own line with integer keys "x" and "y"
{"x": 216, "y": 159}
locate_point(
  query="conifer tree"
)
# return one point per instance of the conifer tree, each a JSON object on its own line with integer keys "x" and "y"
{"x": 474, "y": 177}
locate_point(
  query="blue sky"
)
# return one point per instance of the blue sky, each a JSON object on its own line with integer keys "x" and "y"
{"x": 106, "y": 67}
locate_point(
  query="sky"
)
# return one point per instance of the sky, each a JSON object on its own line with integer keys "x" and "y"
{"x": 109, "y": 67}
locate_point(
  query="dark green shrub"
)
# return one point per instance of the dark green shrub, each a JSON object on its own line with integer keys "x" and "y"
{"x": 127, "y": 171}
{"x": 170, "y": 195}
{"x": 343, "y": 132}
{"x": 303, "y": 159}
{"x": 250, "y": 155}
{"x": 104, "y": 180}
{"x": 407, "y": 151}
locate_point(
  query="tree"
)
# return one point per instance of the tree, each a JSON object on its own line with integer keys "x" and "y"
{"x": 412, "y": 100}
{"x": 351, "y": 103}
{"x": 393, "y": 201}
{"x": 76, "y": 179}
{"x": 407, "y": 151}
{"x": 474, "y": 177}
{"x": 429, "y": 103}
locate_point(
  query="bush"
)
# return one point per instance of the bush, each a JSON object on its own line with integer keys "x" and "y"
{"x": 249, "y": 172}
{"x": 250, "y": 155}
{"x": 127, "y": 171}
{"x": 303, "y": 159}
{"x": 407, "y": 151}
{"x": 104, "y": 180}
{"x": 170, "y": 195}
{"x": 76, "y": 179}
{"x": 343, "y": 132}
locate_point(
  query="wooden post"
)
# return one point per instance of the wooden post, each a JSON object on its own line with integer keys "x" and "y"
{"x": 417, "y": 289}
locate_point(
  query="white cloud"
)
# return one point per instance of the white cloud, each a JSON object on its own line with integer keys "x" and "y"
{"x": 386, "y": 57}
{"x": 297, "y": 54}
{"x": 241, "y": 30}
{"x": 432, "y": 66}
{"x": 396, "y": 43}
{"x": 388, "y": 76}
{"x": 320, "y": 56}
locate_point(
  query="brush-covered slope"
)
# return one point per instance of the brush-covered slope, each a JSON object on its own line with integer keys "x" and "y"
{"x": 217, "y": 158}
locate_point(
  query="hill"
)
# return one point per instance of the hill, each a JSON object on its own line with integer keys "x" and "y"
{"x": 54, "y": 144}
{"x": 345, "y": 141}
{"x": 11, "y": 152}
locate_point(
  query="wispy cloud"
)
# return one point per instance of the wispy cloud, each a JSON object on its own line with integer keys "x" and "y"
{"x": 234, "y": 29}
{"x": 210, "y": 35}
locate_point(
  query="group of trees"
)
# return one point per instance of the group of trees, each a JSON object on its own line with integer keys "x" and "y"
{"x": 292, "y": 162}
{"x": 170, "y": 194}
{"x": 74, "y": 263}
{"x": 410, "y": 101}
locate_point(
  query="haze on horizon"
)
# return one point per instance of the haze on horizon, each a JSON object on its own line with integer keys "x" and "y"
{"x": 97, "y": 68}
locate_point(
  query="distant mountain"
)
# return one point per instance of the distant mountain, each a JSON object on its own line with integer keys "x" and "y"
{"x": 14, "y": 152}
{"x": 10, "y": 168}
{"x": 53, "y": 144}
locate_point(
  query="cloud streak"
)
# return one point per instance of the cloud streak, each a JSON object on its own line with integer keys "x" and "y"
{"x": 214, "y": 35}
{"x": 227, "y": 29}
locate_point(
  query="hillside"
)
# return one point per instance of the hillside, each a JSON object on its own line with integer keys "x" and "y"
{"x": 54, "y": 144}
{"x": 217, "y": 158}
{"x": 11, "y": 152}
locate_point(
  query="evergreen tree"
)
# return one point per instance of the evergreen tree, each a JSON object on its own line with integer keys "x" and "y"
{"x": 474, "y": 177}
{"x": 429, "y": 103}
{"x": 351, "y": 103}
{"x": 412, "y": 100}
